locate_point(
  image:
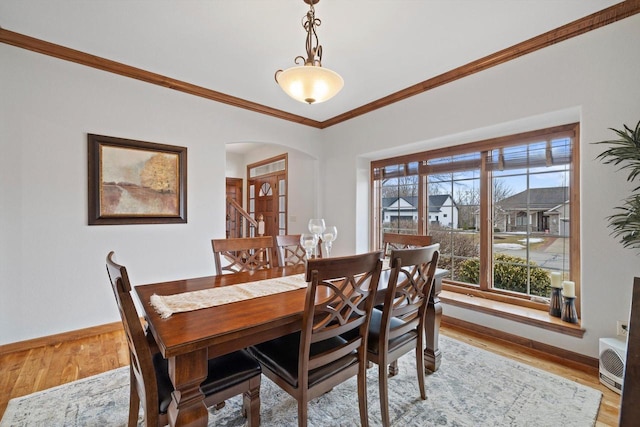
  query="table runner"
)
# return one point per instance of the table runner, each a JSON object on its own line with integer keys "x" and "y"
{"x": 166, "y": 305}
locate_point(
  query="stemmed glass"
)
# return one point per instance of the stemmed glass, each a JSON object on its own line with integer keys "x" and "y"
{"x": 308, "y": 242}
{"x": 317, "y": 227}
{"x": 328, "y": 237}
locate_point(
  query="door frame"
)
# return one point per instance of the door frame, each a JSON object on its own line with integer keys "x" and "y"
{"x": 278, "y": 174}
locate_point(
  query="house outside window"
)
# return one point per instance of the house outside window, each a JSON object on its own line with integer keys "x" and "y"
{"x": 400, "y": 214}
{"x": 524, "y": 187}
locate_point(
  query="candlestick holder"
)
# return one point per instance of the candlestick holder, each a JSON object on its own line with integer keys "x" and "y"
{"x": 569, "y": 313}
{"x": 555, "y": 306}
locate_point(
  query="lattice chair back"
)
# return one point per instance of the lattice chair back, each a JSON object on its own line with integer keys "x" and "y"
{"x": 242, "y": 254}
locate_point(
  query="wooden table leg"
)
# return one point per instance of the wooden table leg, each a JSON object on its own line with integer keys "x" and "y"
{"x": 432, "y": 354}
{"x": 187, "y": 406}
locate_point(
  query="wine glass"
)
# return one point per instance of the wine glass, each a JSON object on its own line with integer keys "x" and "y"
{"x": 309, "y": 242}
{"x": 316, "y": 226}
{"x": 328, "y": 237}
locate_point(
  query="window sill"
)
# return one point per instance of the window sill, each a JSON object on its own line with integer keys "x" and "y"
{"x": 517, "y": 313}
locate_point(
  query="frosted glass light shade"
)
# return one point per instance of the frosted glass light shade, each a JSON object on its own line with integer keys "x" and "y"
{"x": 310, "y": 84}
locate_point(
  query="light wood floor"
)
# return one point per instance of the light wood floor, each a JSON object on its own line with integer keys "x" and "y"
{"x": 25, "y": 372}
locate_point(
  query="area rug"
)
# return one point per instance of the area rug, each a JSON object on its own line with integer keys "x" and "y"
{"x": 472, "y": 388}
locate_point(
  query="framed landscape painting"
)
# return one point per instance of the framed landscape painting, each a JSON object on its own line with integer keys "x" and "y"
{"x": 136, "y": 182}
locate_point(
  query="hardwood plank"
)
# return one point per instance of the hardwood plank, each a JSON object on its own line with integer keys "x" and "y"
{"x": 30, "y": 370}
{"x": 35, "y": 360}
{"x": 59, "y": 338}
{"x": 9, "y": 373}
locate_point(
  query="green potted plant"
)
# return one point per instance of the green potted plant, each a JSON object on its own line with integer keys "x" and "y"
{"x": 625, "y": 152}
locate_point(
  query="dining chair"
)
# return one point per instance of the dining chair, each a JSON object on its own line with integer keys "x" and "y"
{"x": 311, "y": 362}
{"x": 392, "y": 241}
{"x": 242, "y": 254}
{"x": 290, "y": 251}
{"x": 150, "y": 384}
{"x": 399, "y": 327}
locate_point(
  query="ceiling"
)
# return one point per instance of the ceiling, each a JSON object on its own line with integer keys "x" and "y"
{"x": 235, "y": 46}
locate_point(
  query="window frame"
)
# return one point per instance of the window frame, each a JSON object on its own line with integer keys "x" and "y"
{"x": 571, "y": 130}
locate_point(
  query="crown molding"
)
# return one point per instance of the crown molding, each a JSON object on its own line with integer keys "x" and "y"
{"x": 591, "y": 22}
{"x": 83, "y": 58}
{"x": 583, "y": 25}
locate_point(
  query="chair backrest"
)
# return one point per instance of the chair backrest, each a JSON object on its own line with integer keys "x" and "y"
{"x": 290, "y": 252}
{"x": 242, "y": 254}
{"x": 392, "y": 241}
{"x": 410, "y": 283}
{"x": 339, "y": 300}
{"x": 139, "y": 348}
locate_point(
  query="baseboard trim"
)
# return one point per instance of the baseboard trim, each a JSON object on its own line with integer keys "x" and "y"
{"x": 61, "y": 337}
{"x": 561, "y": 353}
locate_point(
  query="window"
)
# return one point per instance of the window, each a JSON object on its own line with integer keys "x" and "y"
{"x": 277, "y": 165}
{"x": 505, "y": 211}
{"x": 453, "y": 186}
{"x": 397, "y": 195}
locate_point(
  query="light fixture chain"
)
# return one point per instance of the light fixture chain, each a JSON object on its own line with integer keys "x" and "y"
{"x": 310, "y": 24}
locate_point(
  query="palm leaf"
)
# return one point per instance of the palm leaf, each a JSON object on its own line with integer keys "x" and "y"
{"x": 624, "y": 151}
{"x": 626, "y": 223}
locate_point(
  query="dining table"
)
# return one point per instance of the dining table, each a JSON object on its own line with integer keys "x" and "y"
{"x": 188, "y": 339}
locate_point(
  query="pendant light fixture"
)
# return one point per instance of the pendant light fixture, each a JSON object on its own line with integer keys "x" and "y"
{"x": 310, "y": 83}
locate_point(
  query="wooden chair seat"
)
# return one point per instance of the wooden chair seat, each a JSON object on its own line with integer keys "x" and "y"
{"x": 373, "y": 343}
{"x": 224, "y": 372}
{"x": 399, "y": 327}
{"x": 150, "y": 383}
{"x": 282, "y": 355}
{"x": 311, "y": 362}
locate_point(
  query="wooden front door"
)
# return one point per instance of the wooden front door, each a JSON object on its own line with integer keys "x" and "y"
{"x": 266, "y": 197}
{"x": 234, "y": 219}
{"x": 267, "y": 193}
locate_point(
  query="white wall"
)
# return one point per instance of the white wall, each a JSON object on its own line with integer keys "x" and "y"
{"x": 235, "y": 165}
{"x": 52, "y": 274}
{"x": 593, "y": 79}
{"x": 303, "y": 185}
